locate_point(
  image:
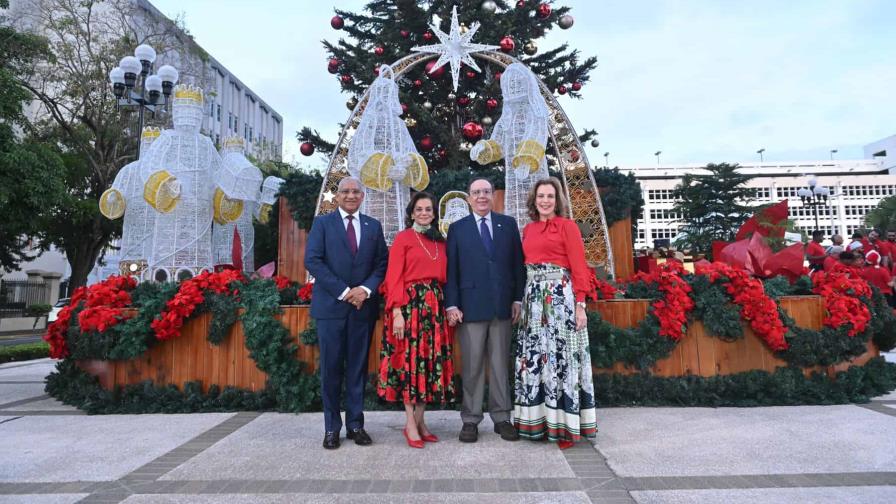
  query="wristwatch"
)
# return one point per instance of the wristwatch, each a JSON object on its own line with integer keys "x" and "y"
{"x": 580, "y": 304}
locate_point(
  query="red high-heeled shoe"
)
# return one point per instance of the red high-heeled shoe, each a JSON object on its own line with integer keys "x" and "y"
{"x": 430, "y": 438}
{"x": 412, "y": 443}
{"x": 563, "y": 444}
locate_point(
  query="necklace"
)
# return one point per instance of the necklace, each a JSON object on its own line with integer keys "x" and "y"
{"x": 424, "y": 247}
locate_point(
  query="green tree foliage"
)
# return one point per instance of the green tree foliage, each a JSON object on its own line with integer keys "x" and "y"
{"x": 384, "y": 24}
{"x": 884, "y": 215}
{"x": 30, "y": 171}
{"x": 712, "y": 206}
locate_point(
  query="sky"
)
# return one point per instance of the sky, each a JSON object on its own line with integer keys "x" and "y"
{"x": 700, "y": 80}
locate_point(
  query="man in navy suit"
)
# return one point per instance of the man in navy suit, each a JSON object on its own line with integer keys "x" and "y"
{"x": 484, "y": 293}
{"x": 346, "y": 254}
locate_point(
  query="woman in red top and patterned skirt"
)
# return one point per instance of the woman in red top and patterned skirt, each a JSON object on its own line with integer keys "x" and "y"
{"x": 416, "y": 366}
{"x": 554, "y": 388}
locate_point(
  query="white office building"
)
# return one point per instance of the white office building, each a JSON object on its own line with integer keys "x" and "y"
{"x": 856, "y": 187}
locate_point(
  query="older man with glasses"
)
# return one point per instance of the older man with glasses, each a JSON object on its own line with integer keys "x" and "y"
{"x": 484, "y": 293}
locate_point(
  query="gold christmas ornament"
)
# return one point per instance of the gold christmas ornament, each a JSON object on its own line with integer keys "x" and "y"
{"x": 463, "y": 28}
{"x": 490, "y": 153}
{"x": 530, "y": 48}
{"x": 375, "y": 172}
{"x": 162, "y": 191}
{"x": 112, "y": 204}
{"x": 226, "y": 209}
{"x": 417, "y": 175}
{"x": 351, "y": 103}
{"x": 529, "y": 153}
{"x": 410, "y": 122}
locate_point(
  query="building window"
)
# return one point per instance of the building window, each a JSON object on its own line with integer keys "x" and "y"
{"x": 763, "y": 193}
{"x": 230, "y": 120}
{"x": 219, "y": 112}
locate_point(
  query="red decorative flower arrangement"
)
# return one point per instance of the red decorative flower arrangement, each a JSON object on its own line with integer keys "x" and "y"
{"x": 673, "y": 308}
{"x": 841, "y": 299}
{"x": 757, "y": 307}
{"x": 188, "y": 297}
{"x": 600, "y": 289}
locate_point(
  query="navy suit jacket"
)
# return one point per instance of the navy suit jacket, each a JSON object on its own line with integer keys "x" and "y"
{"x": 484, "y": 287}
{"x": 330, "y": 261}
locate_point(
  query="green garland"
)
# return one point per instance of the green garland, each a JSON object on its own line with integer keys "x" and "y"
{"x": 301, "y": 191}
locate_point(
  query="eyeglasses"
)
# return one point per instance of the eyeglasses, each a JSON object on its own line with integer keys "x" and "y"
{"x": 480, "y": 192}
{"x": 350, "y": 191}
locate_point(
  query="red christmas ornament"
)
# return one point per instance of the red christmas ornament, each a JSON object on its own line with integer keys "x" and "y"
{"x": 521, "y": 4}
{"x": 404, "y": 108}
{"x": 544, "y": 10}
{"x": 497, "y": 76}
{"x": 507, "y": 44}
{"x": 576, "y": 86}
{"x": 472, "y": 131}
{"x": 443, "y": 154}
{"x": 418, "y": 83}
{"x": 427, "y": 36}
{"x": 333, "y": 65}
{"x": 379, "y": 50}
{"x": 437, "y": 74}
{"x": 426, "y": 143}
{"x": 405, "y": 33}
{"x": 491, "y": 104}
{"x": 376, "y": 71}
{"x": 307, "y": 148}
{"x": 463, "y": 101}
{"x": 337, "y": 22}
{"x": 471, "y": 74}
{"x": 561, "y": 89}
{"x": 346, "y": 79}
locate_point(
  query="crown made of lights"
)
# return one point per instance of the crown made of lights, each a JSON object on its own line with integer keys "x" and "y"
{"x": 234, "y": 142}
{"x": 188, "y": 92}
{"x": 150, "y": 133}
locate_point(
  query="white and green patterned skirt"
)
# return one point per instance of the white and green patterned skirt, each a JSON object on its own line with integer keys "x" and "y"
{"x": 554, "y": 389}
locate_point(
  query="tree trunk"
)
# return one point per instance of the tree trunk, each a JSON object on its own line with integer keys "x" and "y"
{"x": 87, "y": 248}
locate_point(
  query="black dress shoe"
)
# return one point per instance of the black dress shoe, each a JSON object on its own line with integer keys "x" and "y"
{"x": 360, "y": 436}
{"x": 507, "y": 431}
{"x": 469, "y": 433}
{"x": 331, "y": 440}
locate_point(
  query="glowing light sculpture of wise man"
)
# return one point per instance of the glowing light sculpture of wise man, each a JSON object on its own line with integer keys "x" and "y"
{"x": 125, "y": 197}
{"x": 519, "y": 137}
{"x": 383, "y": 156}
{"x": 178, "y": 175}
{"x": 269, "y": 190}
{"x": 238, "y": 188}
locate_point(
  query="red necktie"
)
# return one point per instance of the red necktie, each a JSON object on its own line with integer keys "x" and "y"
{"x": 350, "y": 235}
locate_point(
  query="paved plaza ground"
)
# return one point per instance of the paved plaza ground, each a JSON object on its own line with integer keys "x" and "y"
{"x": 54, "y": 454}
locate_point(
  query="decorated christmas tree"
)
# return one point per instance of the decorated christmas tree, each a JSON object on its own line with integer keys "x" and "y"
{"x": 446, "y": 114}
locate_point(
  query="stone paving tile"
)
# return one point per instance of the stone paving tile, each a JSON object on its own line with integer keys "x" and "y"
{"x": 42, "y": 498}
{"x": 13, "y": 394}
{"x": 516, "y": 498}
{"x": 734, "y": 441}
{"x": 283, "y": 446}
{"x": 840, "y": 495}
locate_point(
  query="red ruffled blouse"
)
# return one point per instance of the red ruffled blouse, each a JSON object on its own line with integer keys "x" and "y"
{"x": 558, "y": 241}
{"x": 411, "y": 261}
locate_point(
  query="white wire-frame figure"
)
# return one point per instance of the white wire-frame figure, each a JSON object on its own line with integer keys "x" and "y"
{"x": 178, "y": 175}
{"x": 125, "y": 197}
{"x": 269, "y": 190}
{"x": 520, "y": 136}
{"x": 383, "y": 156}
{"x": 236, "y": 198}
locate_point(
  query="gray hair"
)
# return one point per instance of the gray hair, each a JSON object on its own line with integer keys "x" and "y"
{"x": 349, "y": 179}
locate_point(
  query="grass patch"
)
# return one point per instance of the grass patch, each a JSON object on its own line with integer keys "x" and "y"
{"x": 26, "y": 351}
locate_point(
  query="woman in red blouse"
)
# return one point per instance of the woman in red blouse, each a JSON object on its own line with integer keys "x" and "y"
{"x": 554, "y": 391}
{"x": 416, "y": 366}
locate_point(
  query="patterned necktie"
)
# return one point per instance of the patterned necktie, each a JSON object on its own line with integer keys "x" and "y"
{"x": 350, "y": 235}
{"x": 486, "y": 236}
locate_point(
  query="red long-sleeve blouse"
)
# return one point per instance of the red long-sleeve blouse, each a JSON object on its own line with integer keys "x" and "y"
{"x": 558, "y": 241}
{"x": 413, "y": 258}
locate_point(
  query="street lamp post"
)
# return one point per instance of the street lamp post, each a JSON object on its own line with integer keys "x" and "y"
{"x": 761, "y": 152}
{"x": 833, "y": 151}
{"x": 134, "y": 86}
{"x": 814, "y": 196}
{"x": 657, "y": 154}
{"x": 607, "y": 159}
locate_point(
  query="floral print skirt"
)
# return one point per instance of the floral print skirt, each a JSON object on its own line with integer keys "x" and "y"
{"x": 418, "y": 368}
{"x": 554, "y": 389}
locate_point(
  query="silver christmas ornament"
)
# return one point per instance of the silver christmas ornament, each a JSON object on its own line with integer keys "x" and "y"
{"x": 427, "y": 105}
{"x": 488, "y": 7}
{"x": 530, "y": 48}
{"x": 566, "y": 21}
{"x": 595, "y": 143}
{"x": 486, "y": 121}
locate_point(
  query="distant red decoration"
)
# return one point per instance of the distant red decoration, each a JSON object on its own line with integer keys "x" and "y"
{"x": 376, "y": 71}
{"x": 472, "y": 131}
{"x": 463, "y": 101}
{"x": 426, "y": 143}
{"x": 404, "y": 108}
{"x": 307, "y": 148}
{"x": 347, "y": 79}
{"x": 437, "y": 74}
{"x": 333, "y": 65}
{"x": 543, "y": 10}
{"x": 507, "y": 44}
{"x": 491, "y": 104}
{"x": 576, "y": 86}
{"x": 470, "y": 74}
{"x": 418, "y": 83}
{"x": 379, "y": 50}
{"x": 443, "y": 154}
{"x": 497, "y": 76}
{"x": 561, "y": 89}
{"x": 427, "y": 36}
{"x": 337, "y": 22}
{"x": 405, "y": 33}
{"x": 521, "y": 4}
